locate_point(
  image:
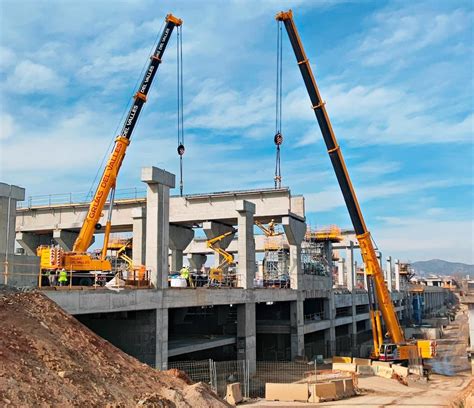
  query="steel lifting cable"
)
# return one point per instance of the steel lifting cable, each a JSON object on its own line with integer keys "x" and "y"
{"x": 179, "y": 75}
{"x": 278, "y": 138}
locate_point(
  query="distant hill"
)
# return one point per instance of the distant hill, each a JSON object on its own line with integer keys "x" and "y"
{"x": 440, "y": 267}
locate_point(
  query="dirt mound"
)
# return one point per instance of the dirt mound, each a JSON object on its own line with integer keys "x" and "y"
{"x": 48, "y": 358}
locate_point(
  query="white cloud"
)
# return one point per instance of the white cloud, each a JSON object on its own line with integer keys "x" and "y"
{"x": 331, "y": 198}
{"x": 398, "y": 33}
{"x": 29, "y": 77}
{"x": 422, "y": 238}
{"x": 385, "y": 115}
{"x": 6, "y": 126}
{"x": 7, "y": 58}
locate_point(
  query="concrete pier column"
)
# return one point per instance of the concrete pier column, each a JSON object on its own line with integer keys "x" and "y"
{"x": 196, "y": 261}
{"x": 65, "y": 239}
{"x": 350, "y": 270}
{"x": 297, "y": 328}
{"x": 9, "y": 196}
{"x": 139, "y": 236}
{"x": 180, "y": 237}
{"x": 340, "y": 272}
{"x": 397, "y": 275}
{"x": 247, "y": 335}
{"x": 30, "y": 241}
{"x": 213, "y": 229}
{"x": 389, "y": 273}
{"x": 246, "y": 244}
{"x": 295, "y": 230}
{"x": 158, "y": 183}
{"x": 161, "y": 350}
{"x": 380, "y": 260}
{"x": 366, "y": 285}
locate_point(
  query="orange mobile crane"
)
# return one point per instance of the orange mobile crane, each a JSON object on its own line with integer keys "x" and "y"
{"x": 78, "y": 260}
{"x": 379, "y": 297}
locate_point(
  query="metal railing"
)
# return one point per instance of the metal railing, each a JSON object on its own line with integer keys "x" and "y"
{"x": 48, "y": 200}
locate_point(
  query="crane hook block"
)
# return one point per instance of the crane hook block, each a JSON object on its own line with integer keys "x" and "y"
{"x": 278, "y": 139}
{"x": 181, "y": 149}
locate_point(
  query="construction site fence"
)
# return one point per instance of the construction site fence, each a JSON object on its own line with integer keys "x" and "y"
{"x": 218, "y": 374}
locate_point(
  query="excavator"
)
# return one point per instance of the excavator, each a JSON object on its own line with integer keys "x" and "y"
{"x": 216, "y": 274}
{"x": 380, "y": 303}
{"x": 79, "y": 260}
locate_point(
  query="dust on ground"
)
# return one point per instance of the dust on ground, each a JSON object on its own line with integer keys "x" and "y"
{"x": 449, "y": 388}
{"x": 48, "y": 358}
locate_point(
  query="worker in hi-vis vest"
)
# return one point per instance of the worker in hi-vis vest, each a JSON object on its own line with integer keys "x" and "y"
{"x": 62, "y": 277}
{"x": 184, "y": 273}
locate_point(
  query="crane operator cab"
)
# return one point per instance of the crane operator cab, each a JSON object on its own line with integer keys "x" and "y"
{"x": 389, "y": 352}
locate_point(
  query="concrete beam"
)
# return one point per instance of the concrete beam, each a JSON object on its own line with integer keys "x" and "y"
{"x": 158, "y": 183}
{"x": 65, "y": 239}
{"x": 180, "y": 237}
{"x": 246, "y": 266}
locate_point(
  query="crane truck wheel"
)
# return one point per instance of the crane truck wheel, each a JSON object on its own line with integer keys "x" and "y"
{"x": 85, "y": 282}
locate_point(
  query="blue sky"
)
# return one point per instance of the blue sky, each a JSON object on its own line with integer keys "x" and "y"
{"x": 396, "y": 76}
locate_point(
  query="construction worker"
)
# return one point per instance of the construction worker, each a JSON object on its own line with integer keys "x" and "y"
{"x": 62, "y": 277}
{"x": 184, "y": 273}
{"x": 52, "y": 277}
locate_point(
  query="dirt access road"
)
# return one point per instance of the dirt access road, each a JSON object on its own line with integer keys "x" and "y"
{"x": 452, "y": 383}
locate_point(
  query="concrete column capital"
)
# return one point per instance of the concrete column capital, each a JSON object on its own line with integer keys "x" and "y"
{"x": 11, "y": 191}
{"x": 154, "y": 175}
{"x": 245, "y": 206}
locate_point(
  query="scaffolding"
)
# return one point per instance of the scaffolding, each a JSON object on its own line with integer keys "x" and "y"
{"x": 316, "y": 250}
{"x": 276, "y": 261}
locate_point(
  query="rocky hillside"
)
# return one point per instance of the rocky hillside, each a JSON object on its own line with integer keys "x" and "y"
{"x": 440, "y": 267}
{"x": 48, "y": 358}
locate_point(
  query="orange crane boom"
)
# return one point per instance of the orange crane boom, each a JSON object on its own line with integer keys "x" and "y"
{"x": 375, "y": 277}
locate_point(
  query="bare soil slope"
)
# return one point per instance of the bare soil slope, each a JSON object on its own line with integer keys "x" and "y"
{"x": 48, "y": 358}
